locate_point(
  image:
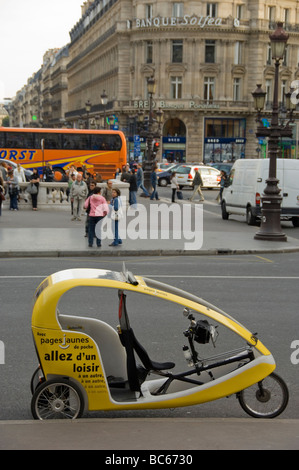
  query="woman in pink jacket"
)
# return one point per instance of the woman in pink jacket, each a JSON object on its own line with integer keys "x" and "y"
{"x": 98, "y": 210}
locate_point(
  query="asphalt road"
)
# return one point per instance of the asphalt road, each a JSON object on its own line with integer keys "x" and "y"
{"x": 260, "y": 292}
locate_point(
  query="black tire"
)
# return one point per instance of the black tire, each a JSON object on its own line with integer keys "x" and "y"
{"x": 57, "y": 399}
{"x": 162, "y": 182}
{"x": 266, "y": 399}
{"x": 250, "y": 218}
{"x": 225, "y": 214}
{"x": 295, "y": 221}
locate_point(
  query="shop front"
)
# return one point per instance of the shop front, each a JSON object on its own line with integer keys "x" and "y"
{"x": 224, "y": 139}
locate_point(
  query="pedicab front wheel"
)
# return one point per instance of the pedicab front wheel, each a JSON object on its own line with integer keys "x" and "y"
{"x": 265, "y": 399}
{"x": 57, "y": 399}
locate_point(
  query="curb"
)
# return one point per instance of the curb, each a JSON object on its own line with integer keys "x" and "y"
{"x": 127, "y": 253}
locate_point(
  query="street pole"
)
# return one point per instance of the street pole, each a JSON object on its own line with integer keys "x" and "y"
{"x": 270, "y": 228}
{"x": 148, "y": 167}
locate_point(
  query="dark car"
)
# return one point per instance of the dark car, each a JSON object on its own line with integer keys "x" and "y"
{"x": 164, "y": 176}
{"x": 222, "y": 166}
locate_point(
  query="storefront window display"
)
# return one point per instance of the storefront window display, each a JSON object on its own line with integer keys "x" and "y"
{"x": 224, "y": 139}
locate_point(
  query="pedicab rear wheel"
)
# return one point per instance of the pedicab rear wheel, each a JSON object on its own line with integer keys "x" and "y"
{"x": 265, "y": 399}
{"x": 57, "y": 399}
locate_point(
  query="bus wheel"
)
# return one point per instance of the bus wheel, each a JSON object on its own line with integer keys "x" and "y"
{"x": 59, "y": 175}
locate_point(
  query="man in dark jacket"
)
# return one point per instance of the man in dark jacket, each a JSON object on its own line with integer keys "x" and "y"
{"x": 197, "y": 183}
{"x": 133, "y": 189}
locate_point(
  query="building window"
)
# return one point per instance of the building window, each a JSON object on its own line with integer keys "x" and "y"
{"x": 149, "y": 52}
{"x": 238, "y": 53}
{"x": 212, "y": 10}
{"x": 237, "y": 89}
{"x": 210, "y": 51}
{"x": 148, "y": 10}
{"x": 240, "y": 12}
{"x": 176, "y": 87}
{"x": 271, "y": 13}
{"x": 178, "y": 10}
{"x": 286, "y": 16}
{"x": 177, "y": 50}
{"x": 209, "y": 88}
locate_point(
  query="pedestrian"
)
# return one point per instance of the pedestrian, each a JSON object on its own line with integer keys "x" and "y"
{"x": 174, "y": 186}
{"x": 223, "y": 182}
{"x": 34, "y": 179}
{"x": 78, "y": 194}
{"x": 19, "y": 173}
{"x": 125, "y": 174}
{"x": 92, "y": 186}
{"x": 133, "y": 189}
{"x": 98, "y": 210}
{"x": 140, "y": 180}
{"x": 197, "y": 183}
{"x": 73, "y": 171}
{"x": 154, "y": 182}
{"x": 13, "y": 190}
{"x": 2, "y": 193}
{"x": 107, "y": 191}
{"x": 48, "y": 173}
{"x": 116, "y": 213}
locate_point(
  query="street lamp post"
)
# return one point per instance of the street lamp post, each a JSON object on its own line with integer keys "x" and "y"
{"x": 104, "y": 101}
{"x": 270, "y": 228}
{"x": 148, "y": 167}
{"x": 87, "y": 109}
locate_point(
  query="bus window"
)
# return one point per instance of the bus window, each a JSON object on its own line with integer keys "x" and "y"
{"x": 2, "y": 140}
{"x": 105, "y": 142}
{"x": 76, "y": 142}
{"x": 51, "y": 141}
{"x": 20, "y": 140}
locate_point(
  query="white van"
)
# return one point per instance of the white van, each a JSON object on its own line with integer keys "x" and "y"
{"x": 246, "y": 185}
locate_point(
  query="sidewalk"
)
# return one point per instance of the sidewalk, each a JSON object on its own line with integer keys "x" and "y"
{"x": 52, "y": 233}
{"x": 156, "y": 434}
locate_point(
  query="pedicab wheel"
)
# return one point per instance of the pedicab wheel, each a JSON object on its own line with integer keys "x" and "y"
{"x": 265, "y": 399}
{"x": 57, "y": 399}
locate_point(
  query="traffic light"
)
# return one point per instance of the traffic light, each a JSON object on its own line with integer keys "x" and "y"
{"x": 156, "y": 147}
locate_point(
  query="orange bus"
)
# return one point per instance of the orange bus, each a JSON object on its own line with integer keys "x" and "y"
{"x": 101, "y": 151}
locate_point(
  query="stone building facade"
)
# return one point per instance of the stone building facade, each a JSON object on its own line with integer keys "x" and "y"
{"x": 206, "y": 58}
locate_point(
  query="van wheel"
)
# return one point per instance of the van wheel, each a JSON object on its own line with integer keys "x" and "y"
{"x": 295, "y": 221}
{"x": 250, "y": 218}
{"x": 225, "y": 215}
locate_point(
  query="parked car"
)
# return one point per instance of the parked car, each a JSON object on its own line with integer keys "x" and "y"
{"x": 221, "y": 166}
{"x": 210, "y": 176}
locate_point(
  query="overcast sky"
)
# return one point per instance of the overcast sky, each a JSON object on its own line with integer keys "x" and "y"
{"x": 28, "y": 28}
